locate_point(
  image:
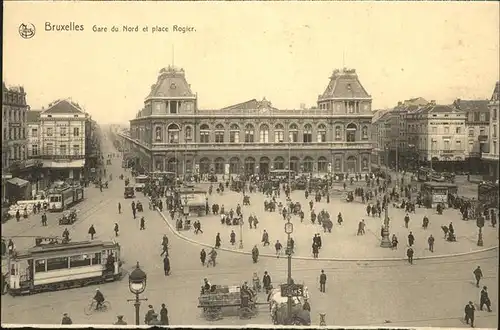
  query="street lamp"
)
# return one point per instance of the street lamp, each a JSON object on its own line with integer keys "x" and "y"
{"x": 289, "y": 231}
{"x": 137, "y": 285}
{"x": 386, "y": 243}
{"x": 480, "y": 225}
{"x": 241, "y": 232}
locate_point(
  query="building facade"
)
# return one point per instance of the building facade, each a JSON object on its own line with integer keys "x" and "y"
{"x": 61, "y": 140}
{"x": 172, "y": 134}
{"x": 490, "y": 157}
{"x": 14, "y": 139}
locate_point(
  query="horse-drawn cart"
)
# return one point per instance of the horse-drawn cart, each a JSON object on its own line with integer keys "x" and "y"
{"x": 226, "y": 298}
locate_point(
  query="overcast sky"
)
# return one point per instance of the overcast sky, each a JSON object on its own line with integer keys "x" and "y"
{"x": 284, "y": 51}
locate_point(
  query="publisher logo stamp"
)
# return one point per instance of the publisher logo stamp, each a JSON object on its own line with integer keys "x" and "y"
{"x": 27, "y": 30}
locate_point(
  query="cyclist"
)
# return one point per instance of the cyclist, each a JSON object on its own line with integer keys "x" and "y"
{"x": 99, "y": 298}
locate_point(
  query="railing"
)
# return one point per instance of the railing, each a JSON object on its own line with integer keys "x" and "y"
{"x": 58, "y": 157}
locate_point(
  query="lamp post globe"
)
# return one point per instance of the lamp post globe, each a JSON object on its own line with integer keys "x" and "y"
{"x": 137, "y": 280}
{"x": 288, "y": 228}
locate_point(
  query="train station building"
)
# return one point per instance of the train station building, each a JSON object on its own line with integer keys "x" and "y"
{"x": 172, "y": 133}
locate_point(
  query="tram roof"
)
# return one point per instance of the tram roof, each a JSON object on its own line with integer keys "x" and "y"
{"x": 67, "y": 246}
{"x": 439, "y": 184}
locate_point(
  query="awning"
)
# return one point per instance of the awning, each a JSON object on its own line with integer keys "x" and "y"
{"x": 18, "y": 182}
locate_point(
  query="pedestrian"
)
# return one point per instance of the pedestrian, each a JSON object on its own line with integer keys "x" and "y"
{"x": 306, "y": 306}
{"x": 154, "y": 320}
{"x": 407, "y": 220}
{"x": 149, "y": 314}
{"x": 120, "y": 320}
{"x": 361, "y": 228}
{"x": 266, "y": 282}
{"x": 66, "y": 319}
{"x": 469, "y": 313}
{"x": 485, "y": 299}
{"x": 278, "y": 247}
{"x": 119, "y": 208}
{"x": 217, "y": 241}
{"x": 232, "y": 237}
{"x": 322, "y": 282}
{"x": 143, "y": 224}
{"x": 315, "y": 250}
{"x": 166, "y": 265}
{"x": 164, "y": 315}
{"x": 430, "y": 240}
{"x": 394, "y": 242}
{"x": 92, "y": 232}
{"x": 203, "y": 256}
{"x": 116, "y": 229}
{"x": 4, "y": 248}
{"x": 409, "y": 254}
{"x": 265, "y": 238}
{"x": 478, "y": 274}
{"x": 411, "y": 239}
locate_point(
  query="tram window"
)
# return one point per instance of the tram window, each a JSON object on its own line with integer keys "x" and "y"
{"x": 57, "y": 263}
{"x": 79, "y": 261}
{"x": 96, "y": 259}
{"x": 40, "y": 266}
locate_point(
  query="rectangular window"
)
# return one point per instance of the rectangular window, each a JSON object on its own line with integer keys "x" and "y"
{"x": 34, "y": 150}
{"x": 471, "y": 132}
{"x": 62, "y": 149}
{"x": 446, "y": 145}
{"x": 279, "y": 136}
{"x": 234, "y": 137}
{"x": 294, "y": 136}
{"x": 458, "y": 144}
{"x": 49, "y": 149}
{"x": 79, "y": 261}
{"x": 458, "y": 130}
{"x": 482, "y": 117}
{"x": 40, "y": 266}
{"x": 57, "y": 263}
{"x": 321, "y": 136}
{"x": 476, "y": 116}
{"x": 434, "y": 130}
{"x": 76, "y": 131}
{"x": 96, "y": 259}
{"x": 481, "y": 131}
{"x": 446, "y": 130}
{"x": 50, "y": 131}
{"x": 204, "y": 136}
{"x": 63, "y": 131}
{"x": 34, "y": 132}
{"x": 219, "y": 137}
{"x": 495, "y": 151}
{"x": 264, "y": 136}
{"x": 76, "y": 149}
{"x": 494, "y": 131}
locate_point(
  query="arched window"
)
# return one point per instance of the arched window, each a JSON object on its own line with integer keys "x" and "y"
{"x": 204, "y": 166}
{"x": 249, "y": 165}
{"x": 351, "y": 133}
{"x": 234, "y": 134}
{"x": 279, "y": 163}
{"x": 219, "y": 133}
{"x": 234, "y": 165}
{"x": 279, "y": 133}
{"x": 158, "y": 133}
{"x": 249, "y": 133}
{"x": 189, "y": 134}
{"x": 364, "y": 133}
{"x": 294, "y": 164}
{"x": 307, "y": 135}
{"x": 365, "y": 164}
{"x": 173, "y": 133}
{"x": 308, "y": 165}
{"x": 352, "y": 164}
{"x": 293, "y": 133}
{"x": 338, "y": 133}
{"x": 322, "y": 165}
{"x": 321, "y": 133}
{"x": 204, "y": 133}
{"x": 219, "y": 165}
{"x": 264, "y": 133}
{"x": 172, "y": 165}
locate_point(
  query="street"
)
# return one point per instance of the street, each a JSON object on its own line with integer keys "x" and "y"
{"x": 358, "y": 293}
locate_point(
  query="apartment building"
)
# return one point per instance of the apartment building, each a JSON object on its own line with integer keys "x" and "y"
{"x": 491, "y": 154}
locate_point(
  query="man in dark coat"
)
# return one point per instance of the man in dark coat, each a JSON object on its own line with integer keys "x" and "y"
{"x": 469, "y": 313}
{"x": 485, "y": 299}
{"x": 143, "y": 224}
{"x": 92, "y": 232}
{"x": 166, "y": 265}
{"x": 322, "y": 281}
{"x": 409, "y": 254}
{"x": 66, "y": 319}
{"x": 203, "y": 256}
{"x": 164, "y": 315}
{"x": 149, "y": 314}
{"x": 411, "y": 239}
{"x": 217, "y": 241}
{"x": 266, "y": 281}
{"x": 478, "y": 274}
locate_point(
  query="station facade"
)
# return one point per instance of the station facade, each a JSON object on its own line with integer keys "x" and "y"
{"x": 172, "y": 134}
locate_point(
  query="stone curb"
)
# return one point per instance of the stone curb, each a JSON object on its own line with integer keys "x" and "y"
{"x": 176, "y": 233}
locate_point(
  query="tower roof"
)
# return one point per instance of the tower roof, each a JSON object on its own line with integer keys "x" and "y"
{"x": 344, "y": 84}
{"x": 171, "y": 83}
{"x": 63, "y": 106}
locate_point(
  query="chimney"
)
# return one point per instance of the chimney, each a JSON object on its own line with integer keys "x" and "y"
{"x": 433, "y": 102}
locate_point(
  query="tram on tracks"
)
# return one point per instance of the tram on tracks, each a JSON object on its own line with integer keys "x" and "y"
{"x": 51, "y": 265}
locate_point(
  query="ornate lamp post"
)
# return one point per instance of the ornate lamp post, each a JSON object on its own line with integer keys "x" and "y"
{"x": 289, "y": 231}
{"x": 137, "y": 285}
{"x": 386, "y": 242}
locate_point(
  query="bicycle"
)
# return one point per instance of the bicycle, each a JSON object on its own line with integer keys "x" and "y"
{"x": 105, "y": 306}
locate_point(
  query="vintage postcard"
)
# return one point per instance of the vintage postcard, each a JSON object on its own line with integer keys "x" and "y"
{"x": 250, "y": 164}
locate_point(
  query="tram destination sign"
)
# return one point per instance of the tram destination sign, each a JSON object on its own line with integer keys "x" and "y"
{"x": 292, "y": 290}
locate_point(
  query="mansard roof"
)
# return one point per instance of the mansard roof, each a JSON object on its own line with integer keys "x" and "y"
{"x": 171, "y": 83}
{"x": 472, "y": 105}
{"x": 344, "y": 84}
{"x": 63, "y": 106}
{"x": 33, "y": 116}
{"x": 253, "y": 104}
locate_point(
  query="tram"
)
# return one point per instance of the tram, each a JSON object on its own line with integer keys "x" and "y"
{"x": 61, "y": 198}
{"x": 51, "y": 265}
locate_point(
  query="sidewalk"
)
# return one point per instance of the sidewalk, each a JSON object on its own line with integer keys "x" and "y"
{"x": 342, "y": 243}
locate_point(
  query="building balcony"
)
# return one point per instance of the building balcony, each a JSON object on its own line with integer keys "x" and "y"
{"x": 58, "y": 157}
{"x": 258, "y": 146}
